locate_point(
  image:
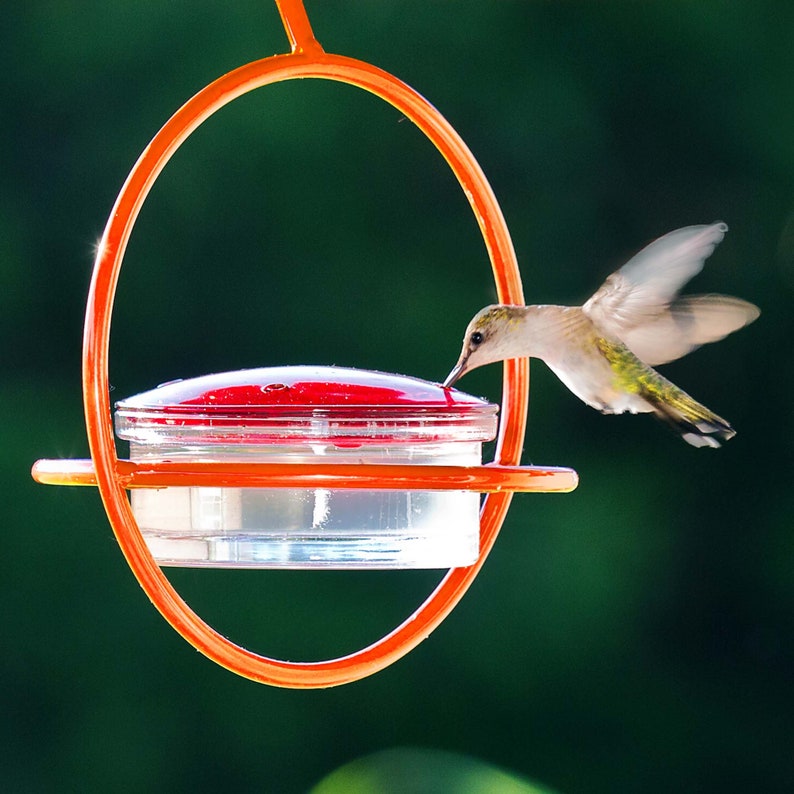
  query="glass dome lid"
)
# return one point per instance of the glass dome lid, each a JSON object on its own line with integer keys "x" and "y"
{"x": 311, "y": 403}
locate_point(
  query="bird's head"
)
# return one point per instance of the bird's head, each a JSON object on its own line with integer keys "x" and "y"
{"x": 492, "y": 335}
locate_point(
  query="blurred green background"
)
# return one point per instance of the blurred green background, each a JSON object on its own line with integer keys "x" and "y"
{"x": 635, "y": 635}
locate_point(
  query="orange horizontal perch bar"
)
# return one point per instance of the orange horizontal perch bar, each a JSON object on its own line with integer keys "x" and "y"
{"x": 490, "y": 478}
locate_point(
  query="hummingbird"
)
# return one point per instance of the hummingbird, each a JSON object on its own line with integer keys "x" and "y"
{"x": 604, "y": 351}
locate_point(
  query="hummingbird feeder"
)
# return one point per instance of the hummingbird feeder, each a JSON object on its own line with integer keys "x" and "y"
{"x": 302, "y": 467}
{"x": 313, "y": 416}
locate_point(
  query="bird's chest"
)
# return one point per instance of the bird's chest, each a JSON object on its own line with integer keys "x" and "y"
{"x": 595, "y": 379}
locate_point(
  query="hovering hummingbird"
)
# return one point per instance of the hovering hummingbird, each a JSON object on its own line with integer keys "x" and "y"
{"x": 604, "y": 350}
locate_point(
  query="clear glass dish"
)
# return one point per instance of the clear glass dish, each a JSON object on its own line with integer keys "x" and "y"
{"x": 304, "y": 415}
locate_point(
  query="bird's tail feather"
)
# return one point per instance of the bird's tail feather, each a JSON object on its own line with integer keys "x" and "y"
{"x": 692, "y": 421}
{"x": 695, "y": 423}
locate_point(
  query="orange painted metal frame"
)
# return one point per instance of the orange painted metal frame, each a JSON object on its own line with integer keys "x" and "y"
{"x": 112, "y": 476}
{"x": 490, "y": 478}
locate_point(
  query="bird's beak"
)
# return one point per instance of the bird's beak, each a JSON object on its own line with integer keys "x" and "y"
{"x": 458, "y": 371}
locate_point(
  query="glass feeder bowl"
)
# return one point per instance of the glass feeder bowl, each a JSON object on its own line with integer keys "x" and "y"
{"x": 316, "y": 415}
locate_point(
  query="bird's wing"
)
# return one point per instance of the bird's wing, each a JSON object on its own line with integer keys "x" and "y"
{"x": 637, "y": 303}
{"x": 643, "y": 289}
{"x": 690, "y": 322}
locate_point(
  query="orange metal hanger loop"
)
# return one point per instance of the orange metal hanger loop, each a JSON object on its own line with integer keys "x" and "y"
{"x": 299, "y": 29}
{"x": 307, "y": 59}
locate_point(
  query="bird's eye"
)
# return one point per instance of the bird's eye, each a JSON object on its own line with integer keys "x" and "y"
{"x": 476, "y": 338}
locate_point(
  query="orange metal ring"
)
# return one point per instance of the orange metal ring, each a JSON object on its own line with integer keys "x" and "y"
{"x": 307, "y": 60}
